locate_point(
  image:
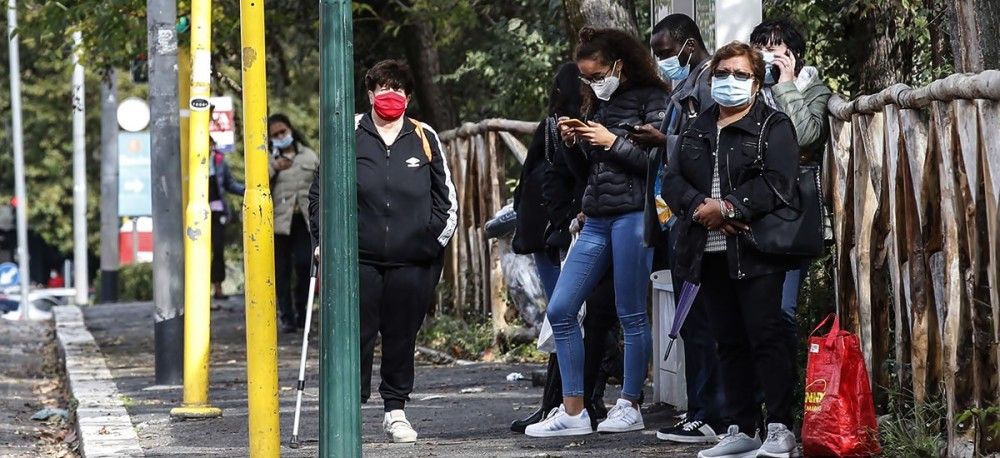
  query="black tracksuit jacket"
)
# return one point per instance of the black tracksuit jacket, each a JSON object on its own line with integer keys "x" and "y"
{"x": 407, "y": 205}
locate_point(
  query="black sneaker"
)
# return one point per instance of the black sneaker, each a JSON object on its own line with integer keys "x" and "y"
{"x": 692, "y": 432}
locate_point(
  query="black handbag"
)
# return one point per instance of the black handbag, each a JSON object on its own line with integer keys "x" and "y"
{"x": 795, "y": 227}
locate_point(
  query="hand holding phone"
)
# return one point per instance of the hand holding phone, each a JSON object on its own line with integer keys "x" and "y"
{"x": 566, "y": 126}
{"x": 571, "y": 123}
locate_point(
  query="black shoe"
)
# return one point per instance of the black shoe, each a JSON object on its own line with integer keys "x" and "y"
{"x": 692, "y": 432}
{"x": 518, "y": 426}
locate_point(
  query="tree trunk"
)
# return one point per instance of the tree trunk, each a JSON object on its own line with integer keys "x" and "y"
{"x": 425, "y": 62}
{"x": 618, "y": 14}
{"x": 975, "y": 32}
{"x": 876, "y": 52}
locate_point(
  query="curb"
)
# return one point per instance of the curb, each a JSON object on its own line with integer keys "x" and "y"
{"x": 103, "y": 425}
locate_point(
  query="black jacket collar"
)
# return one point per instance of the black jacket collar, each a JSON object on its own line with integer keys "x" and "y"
{"x": 368, "y": 123}
{"x": 751, "y": 123}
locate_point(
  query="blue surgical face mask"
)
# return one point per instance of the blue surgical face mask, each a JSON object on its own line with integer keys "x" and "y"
{"x": 671, "y": 67}
{"x": 730, "y": 92}
{"x": 283, "y": 142}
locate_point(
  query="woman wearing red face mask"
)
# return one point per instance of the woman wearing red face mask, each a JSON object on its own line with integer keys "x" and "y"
{"x": 407, "y": 213}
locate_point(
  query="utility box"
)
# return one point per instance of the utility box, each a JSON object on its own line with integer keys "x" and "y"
{"x": 669, "y": 383}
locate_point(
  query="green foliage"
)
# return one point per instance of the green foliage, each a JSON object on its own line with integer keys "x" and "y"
{"x": 980, "y": 418}
{"x": 912, "y": 429}
{"x": 830, "y": 28}
{"x": 135, "y": 282}
{"x": 515, "y": 70}
{"x": 457, "y": 337}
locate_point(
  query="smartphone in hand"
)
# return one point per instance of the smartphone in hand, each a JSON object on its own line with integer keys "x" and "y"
{"x": 572, "y": 123}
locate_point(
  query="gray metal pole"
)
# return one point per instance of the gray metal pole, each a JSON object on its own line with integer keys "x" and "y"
{"x": 79, "y": 178}
{"x": 109, "y": 188}
{"x": 168, "y": 211}
{"x": 22, "y": 199}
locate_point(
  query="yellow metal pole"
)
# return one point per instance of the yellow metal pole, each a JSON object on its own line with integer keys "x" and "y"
{"x": 197, "y": 225}
{"x": 183, "y": 99}
{"x": 258, "y": 243}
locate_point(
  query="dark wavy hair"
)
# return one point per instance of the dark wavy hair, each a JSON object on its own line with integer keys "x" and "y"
{"x": 296, "y": 136}
{"x": 607, "y": 46}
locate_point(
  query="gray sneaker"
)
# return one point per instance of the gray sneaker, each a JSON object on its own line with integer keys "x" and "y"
{"x": 733, "y": 445}
{"x": 780, "y": 442}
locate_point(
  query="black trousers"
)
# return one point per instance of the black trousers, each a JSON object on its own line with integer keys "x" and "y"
{"x": 292, "y": 254}
{"x": 218, "y": 248}
{"x": 599, "y": 345}
{"x": 394, "y": 302}
{"x": 752, "y": 341}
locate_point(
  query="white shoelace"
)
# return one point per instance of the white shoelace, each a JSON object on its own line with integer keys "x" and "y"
{"x": 731, "y": 436}
{"x": 692, "y": 425}
{"x": 774, "y": 438}
{"x": 619, "y": 411}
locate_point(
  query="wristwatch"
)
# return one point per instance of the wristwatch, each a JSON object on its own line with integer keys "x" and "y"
{"x": 730, "y": 211}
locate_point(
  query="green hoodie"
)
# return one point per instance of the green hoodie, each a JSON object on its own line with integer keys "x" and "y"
{"x": 804, "y": 101}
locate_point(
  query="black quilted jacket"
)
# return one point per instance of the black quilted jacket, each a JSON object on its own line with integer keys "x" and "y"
{"x": 616, "y": 178}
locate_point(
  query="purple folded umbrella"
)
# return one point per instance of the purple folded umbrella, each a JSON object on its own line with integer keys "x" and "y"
{"x": 688, "y": 293}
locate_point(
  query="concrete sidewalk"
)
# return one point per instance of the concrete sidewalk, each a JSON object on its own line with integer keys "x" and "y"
{"x": 450, "y": 422}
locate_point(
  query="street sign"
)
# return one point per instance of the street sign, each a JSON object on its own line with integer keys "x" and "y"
{"x": 134, "y": 191}
{"x": 9, "y": 275}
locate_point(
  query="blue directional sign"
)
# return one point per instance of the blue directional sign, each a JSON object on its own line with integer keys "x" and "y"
{"x": 9, "y": 275}
{"x": 134, "y": 190}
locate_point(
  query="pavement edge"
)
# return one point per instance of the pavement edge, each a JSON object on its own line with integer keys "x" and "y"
{"x": 103, "y": 425}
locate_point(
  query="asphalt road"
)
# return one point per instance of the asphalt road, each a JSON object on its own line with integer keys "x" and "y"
{"x": 457, "y": 410}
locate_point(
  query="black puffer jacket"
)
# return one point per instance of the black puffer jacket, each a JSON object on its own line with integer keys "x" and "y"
{"x": 616, "y": 178}
{"x": 688, "y": 181}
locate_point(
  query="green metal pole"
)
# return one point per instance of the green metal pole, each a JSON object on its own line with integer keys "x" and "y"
{"x": 340, "y": 357}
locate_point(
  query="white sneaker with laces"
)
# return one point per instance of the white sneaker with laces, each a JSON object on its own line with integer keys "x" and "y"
{"x": 561, "y": 423}
{"x": 780, "y": 442}
{"x": 398, "y": 428}
{"x": 623, "y": 417}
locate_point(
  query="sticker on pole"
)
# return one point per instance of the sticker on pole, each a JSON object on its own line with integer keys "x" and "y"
{"x": 9, "y": 275}
{"x": 199, "y": 104}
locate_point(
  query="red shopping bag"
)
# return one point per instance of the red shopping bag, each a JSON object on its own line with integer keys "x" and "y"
{"x": 839, "y": 415}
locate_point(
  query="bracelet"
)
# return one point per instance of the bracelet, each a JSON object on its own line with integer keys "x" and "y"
{"x": 722, "y": 209}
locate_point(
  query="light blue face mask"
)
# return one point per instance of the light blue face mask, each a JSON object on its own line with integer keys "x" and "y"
{"x": 671, "y": 67}
{"x": 283, "y": 142}
{"x": 730, "y": 92}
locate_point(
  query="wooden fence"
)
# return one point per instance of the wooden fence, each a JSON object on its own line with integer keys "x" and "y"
{"x": 914, "y": 179}
{"x": 477, "y": 155}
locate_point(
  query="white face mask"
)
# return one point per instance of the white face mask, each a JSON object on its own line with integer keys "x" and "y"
{"x": 605, "y": 87}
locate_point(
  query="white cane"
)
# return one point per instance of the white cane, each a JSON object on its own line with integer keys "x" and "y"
{"x": 294, "y": 443}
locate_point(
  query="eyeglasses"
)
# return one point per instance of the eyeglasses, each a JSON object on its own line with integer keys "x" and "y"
{"x": 740, "y": 76}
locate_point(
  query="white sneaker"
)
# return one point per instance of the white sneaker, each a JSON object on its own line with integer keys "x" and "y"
{"x": 734, "y": 444}
{"x": 398, "y": 427}
{"x": 623, "y": 417}
{"x": 780, "y": 442}
{"x": 561, "y": 423}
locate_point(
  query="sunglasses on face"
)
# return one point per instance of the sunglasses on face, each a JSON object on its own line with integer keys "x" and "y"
{"x": 740, "y": 76}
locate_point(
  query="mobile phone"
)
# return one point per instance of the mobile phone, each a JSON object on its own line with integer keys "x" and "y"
{"x": 629, "y": 127}
{"x": 573, "y": 123}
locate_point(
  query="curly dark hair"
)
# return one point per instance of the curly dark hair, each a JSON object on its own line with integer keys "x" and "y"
{"x": 609, "y": 45}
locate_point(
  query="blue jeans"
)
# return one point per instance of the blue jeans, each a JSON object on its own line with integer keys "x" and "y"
{"x": 616, "y": 243}
{"x": 790, "y": 294}
{"x": 548, "y": 273}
